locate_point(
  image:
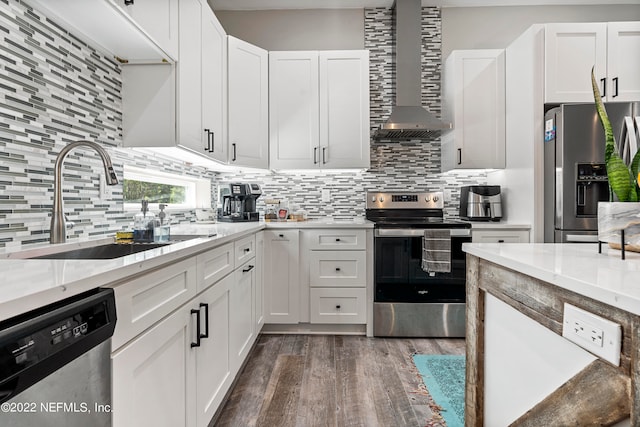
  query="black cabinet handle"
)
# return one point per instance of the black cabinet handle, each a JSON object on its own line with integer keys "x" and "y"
{"x": 604, "y": 87}
{"x": 247, "y": 250}
{"x": 337, "y": 268}
{"x": 208, "y": 147}
{"x": 315, "y": 155}
{"x": 128, "y": 2}
{"x": 249, "y": 268}
{"x": 324, "y": 160}
{"x": 459, "y": 156}
{"x": 337, "y": 240}
{"x": 198, "y": 335}
{"x": 234, "y": 152}
{"x": 615, "y": 86}
{"x": 338, "y": 307}
{"x": 206, "y": 320}
{"x": 500, "y": 241}
{"x": 280, "y": 235}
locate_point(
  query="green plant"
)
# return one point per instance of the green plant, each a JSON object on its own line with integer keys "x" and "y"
{"x": 623, "y": 178}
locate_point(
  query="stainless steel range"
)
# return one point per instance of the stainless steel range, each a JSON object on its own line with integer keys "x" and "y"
{"x": 409, "y": 301}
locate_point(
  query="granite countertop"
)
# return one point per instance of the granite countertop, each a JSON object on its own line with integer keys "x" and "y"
{"x": 326, "y": 222}
{"x": 577, "y": 267}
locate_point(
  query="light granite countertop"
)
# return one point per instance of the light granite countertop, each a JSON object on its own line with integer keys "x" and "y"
{"x": 577, "y": 267}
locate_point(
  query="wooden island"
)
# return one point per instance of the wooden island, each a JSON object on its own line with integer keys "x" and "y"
{"x": 520, "y": 370}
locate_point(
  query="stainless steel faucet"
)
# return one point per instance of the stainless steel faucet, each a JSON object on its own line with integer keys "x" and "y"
{"x": 58, "y": 232}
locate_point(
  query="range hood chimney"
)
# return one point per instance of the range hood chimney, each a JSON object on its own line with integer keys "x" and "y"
{"x": 408, "y": 120}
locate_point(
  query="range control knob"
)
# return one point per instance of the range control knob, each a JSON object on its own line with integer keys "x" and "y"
{"x": 373, "y": 199}
{"x": 427, "y": 199}
{"x": 435, "y": 198}
{"x": 381, "y": 199}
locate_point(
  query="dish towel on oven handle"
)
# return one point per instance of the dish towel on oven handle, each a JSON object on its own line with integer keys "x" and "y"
{"x": 436, "y": 251}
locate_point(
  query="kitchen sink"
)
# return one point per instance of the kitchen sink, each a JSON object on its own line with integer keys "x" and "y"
{"x": 108, "y": 251}
{"x": 112, "y": 250}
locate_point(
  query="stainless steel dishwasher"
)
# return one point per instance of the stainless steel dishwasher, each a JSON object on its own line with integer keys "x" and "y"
{"x": 55, "y": 367}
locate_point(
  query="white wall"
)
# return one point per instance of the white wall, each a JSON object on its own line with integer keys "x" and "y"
{"x": 304, "y": 29}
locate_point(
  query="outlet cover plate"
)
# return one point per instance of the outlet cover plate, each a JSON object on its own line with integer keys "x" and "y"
{"x": 595, "y": 334}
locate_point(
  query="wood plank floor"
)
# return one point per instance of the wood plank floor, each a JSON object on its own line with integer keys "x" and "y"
{"x": 318, "y": 380}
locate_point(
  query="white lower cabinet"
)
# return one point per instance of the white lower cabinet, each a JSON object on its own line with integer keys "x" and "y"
{"x": 259, "y": 285}
{"x": 153, "y": 377}
{"x": 174, "y": 359}
{"x": 213, "y": 361}
{"x": 241, "y": 327}
{"x": 338, "y": 305}
{"x": 499, "y": 236}
{"x": 281, "y": 276}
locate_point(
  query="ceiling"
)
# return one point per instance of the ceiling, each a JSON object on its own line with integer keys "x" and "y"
{"x": 359, "y": 4}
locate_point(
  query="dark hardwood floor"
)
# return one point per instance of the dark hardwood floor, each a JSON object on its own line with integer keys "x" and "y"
{"x": 319, "y": 380}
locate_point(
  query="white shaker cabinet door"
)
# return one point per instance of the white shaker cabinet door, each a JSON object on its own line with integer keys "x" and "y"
{"x": 214, "y": 85}
{"x": 344, "y": 109}
{"x": 153, "y": 377}
{"x": 248, "y": 104}
{"x": 281, "y": 281}
{"x": 241, "y": 323}
{"x": 571, "y": 50}
{"x": 213, "y": 361}
{"x": 623, "y": 67}
{"x": 293, "y": 110}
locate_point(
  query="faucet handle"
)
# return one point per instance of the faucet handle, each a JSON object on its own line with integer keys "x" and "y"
{"x": 70, "y": 224}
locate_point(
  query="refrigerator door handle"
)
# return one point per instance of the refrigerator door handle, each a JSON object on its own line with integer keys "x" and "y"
{"x": 629, "y": 140}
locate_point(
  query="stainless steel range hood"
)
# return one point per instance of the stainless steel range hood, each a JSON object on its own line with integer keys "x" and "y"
{"x": 408, "y": 119}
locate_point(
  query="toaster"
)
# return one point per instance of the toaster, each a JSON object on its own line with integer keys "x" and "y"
{"x": 480, "y": 203}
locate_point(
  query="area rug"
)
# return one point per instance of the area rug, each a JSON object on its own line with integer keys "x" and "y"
{"x": 443, "y": 376}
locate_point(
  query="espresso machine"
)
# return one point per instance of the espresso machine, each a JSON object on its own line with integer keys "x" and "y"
{"x": 239, "y": 202}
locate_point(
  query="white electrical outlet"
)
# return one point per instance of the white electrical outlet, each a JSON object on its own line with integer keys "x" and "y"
{"x": 105, "y": 190}
{"x": 600, "y": 336}
{"x": 326, "y": 195}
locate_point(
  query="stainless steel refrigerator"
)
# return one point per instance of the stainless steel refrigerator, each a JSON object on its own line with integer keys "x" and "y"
{"x": 575, "y": 177}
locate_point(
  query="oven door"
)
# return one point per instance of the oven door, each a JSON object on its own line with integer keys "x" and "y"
{"x": 398, "y": 268}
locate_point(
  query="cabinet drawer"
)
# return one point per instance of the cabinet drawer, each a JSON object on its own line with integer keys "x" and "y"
{"x": 500, "y": 236}
{"x": 145, "y": 300}
{"x": 337, "y": 239}
{"x": 337, "y": 268}
{"x": 338, "y": 305}
{"x": 214, "y": 265}
{"x": 245, "y": 249}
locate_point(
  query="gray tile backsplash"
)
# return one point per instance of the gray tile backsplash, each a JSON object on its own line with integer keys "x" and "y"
{"x": 54, "y": 89}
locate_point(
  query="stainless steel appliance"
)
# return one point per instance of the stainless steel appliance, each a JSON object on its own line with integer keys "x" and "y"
{"x": 575, "y": 177}
{"x": 239, "y": 204}
{"x": 481, "y": 203}
{"x": 408, "y": 301}
{"x": 55, "y": 365}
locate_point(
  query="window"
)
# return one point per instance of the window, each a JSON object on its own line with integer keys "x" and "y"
{"x": 177, "y": 191}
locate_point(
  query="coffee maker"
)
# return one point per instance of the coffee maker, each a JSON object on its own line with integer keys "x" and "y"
{"x": 239, "y": 202}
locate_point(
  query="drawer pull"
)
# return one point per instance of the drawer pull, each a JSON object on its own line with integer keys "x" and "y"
{"x": 206, "y": 320}
{"x": 249, "y": 268}
{"x": 338, "y": 307}
{"x": 337, "y": 268}
{"x": 281, "y": 235}
{"x": 198, "y": 335}
{"x": 247, "y": 249}
{"x": 500, "y": 240}
{"x": 337, "y": 240}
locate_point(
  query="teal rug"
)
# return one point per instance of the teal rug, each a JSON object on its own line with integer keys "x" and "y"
{"x": 443, "y": 375}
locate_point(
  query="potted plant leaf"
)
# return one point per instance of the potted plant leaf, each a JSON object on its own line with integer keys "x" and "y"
{"x": 622, "y": 212}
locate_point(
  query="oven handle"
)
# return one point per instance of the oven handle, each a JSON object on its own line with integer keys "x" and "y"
{"x": 417, "y": 232}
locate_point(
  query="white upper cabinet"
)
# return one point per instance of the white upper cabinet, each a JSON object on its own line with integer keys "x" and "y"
{"x": 623, "y": 66}
{"x": 294, "y": 138}
{"x": 319, "y": 109}
{"x": 182, "y": 105}
{"x": 145, "y": 31}
{"x": 572, "y": 49}
{"x": 474, "y": 101}
{"x": 248, "y": 104}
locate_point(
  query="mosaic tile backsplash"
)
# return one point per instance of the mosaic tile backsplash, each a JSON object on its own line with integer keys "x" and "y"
{"x": 54, "y": 89}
